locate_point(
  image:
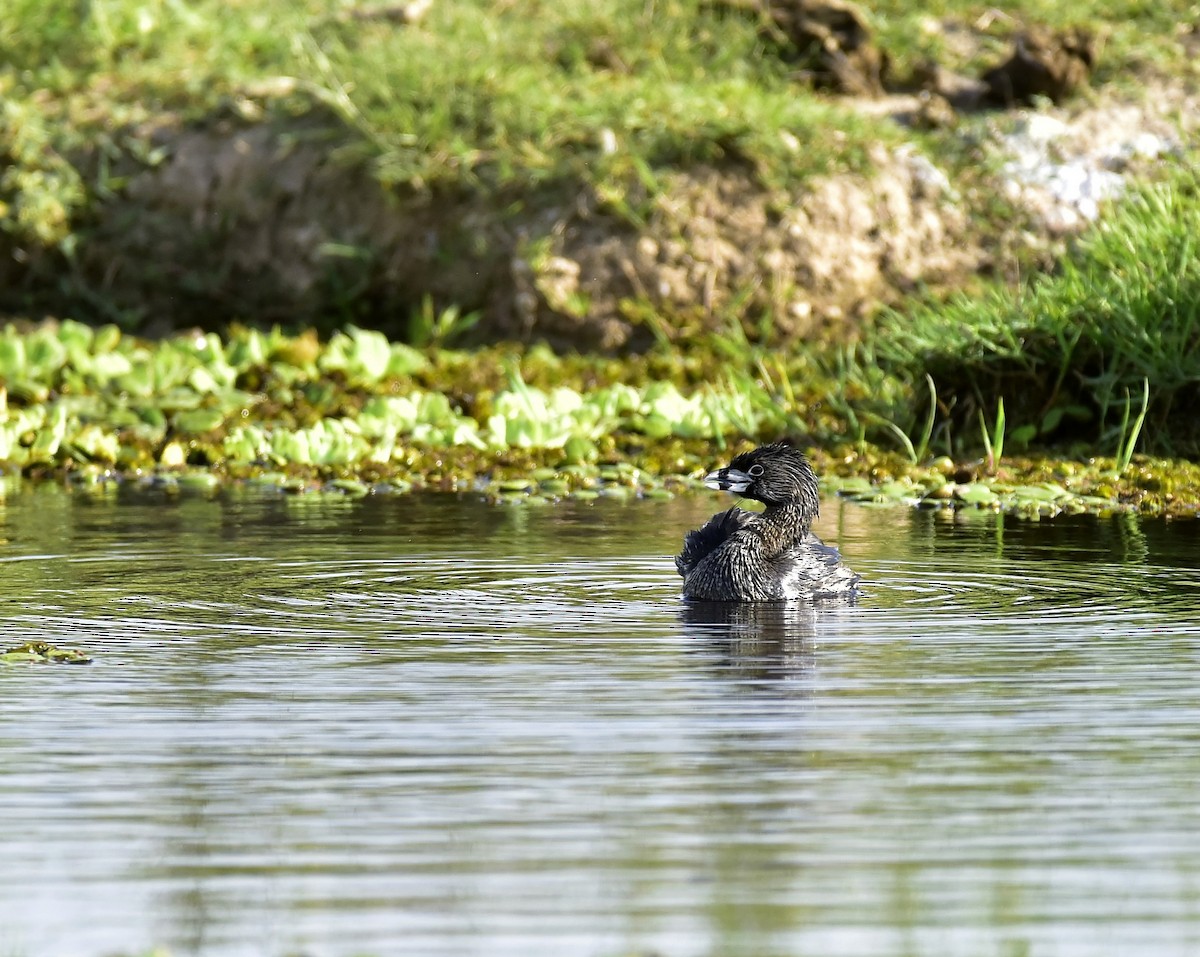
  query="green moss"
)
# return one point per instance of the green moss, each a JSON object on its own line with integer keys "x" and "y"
{"x": 40, "y": 191}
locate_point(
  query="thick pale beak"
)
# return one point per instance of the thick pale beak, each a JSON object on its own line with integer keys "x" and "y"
{"x": 728, "y": 480}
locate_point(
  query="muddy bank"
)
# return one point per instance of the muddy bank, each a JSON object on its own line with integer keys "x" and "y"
{"x": 269, "y": 223}
{"x": 257, "y": 222}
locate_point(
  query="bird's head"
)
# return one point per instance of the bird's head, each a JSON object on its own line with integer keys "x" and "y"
{"x": 773, "y": 474}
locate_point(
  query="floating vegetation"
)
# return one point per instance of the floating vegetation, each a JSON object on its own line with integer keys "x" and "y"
{"x": 77, "y": 396}
{"x": 1030, "y": 488}
{"x": 359, "y": 415}
{"x": 43, "y": 653}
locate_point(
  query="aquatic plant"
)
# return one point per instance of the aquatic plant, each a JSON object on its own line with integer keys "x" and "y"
{"x": 1129, "y": 436}
{"x": 42, "y": 653}
{"x": 994, "y": 443}
{"x": 429, "y": 327}
{"x": 357, "y": 413}
{"x": 76, "y": 395}
{"x": 918, "y": 450}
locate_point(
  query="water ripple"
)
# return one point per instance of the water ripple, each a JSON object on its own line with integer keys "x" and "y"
{"x": 483, "y": 732}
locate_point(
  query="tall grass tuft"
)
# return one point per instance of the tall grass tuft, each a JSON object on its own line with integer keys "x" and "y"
{"x": 1129, "y": 437}
{"x": 993, "y": 444}
{"x": 1123, "y": 310}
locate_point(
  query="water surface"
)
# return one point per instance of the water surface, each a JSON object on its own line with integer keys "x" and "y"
{"x": 426, "y": 725}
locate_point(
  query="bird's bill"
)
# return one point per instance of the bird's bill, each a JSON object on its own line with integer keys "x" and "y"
{"x": 728, "y": 480}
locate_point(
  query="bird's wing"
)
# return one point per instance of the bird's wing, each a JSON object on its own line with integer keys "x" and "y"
{"x": 818, "y": 568}
{"x": 704, "y": 540}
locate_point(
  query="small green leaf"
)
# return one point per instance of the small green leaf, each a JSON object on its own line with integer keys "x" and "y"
{"x": 198, "y": 481}
{"x": 350, "y": 487}
{"x": 976, "y": 494}
{"x": 198, "y": 420}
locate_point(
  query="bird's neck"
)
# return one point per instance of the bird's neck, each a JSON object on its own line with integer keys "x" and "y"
{"x": 784, "y": 524}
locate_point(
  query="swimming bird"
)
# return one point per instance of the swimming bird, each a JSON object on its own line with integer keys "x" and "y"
{"x": 773, "y": 556}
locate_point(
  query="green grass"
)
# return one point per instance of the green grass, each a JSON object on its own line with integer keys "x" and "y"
{"x": 1135, "y": 35}
{"x": 504, "y": 99}
{"x": 498, "y": 93}
{"x": 1128, "y": 440}
{"x": 475, "y": 93}
{"x": 1066, "y": 350}
{"x": 993, "y": 444}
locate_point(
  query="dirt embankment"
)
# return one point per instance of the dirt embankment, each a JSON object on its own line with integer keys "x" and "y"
{"x": 259, "y": 223}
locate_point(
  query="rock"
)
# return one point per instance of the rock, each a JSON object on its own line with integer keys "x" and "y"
{"x": 1061, "y": 169}
{"x": 400, "y": 13}
{"x": 835, "y": 38}
{"x": 956, "y": 91}
{"x": 1043, "y": 63}
{"x": 933, "y": 112}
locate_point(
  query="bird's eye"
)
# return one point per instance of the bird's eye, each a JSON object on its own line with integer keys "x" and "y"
{"x": 755, "y": 470}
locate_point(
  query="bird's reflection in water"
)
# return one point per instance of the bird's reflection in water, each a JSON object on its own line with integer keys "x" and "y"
{"x": 756, "y": 640}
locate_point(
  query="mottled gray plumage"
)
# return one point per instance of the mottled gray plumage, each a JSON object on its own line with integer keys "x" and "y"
{"x": 772, "y": 556}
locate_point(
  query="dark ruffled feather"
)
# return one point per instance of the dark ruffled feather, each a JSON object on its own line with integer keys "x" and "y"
{"x": 701, "y": 542}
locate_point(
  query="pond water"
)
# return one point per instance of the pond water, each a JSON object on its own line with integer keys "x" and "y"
{"x": 430, "y": 726}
